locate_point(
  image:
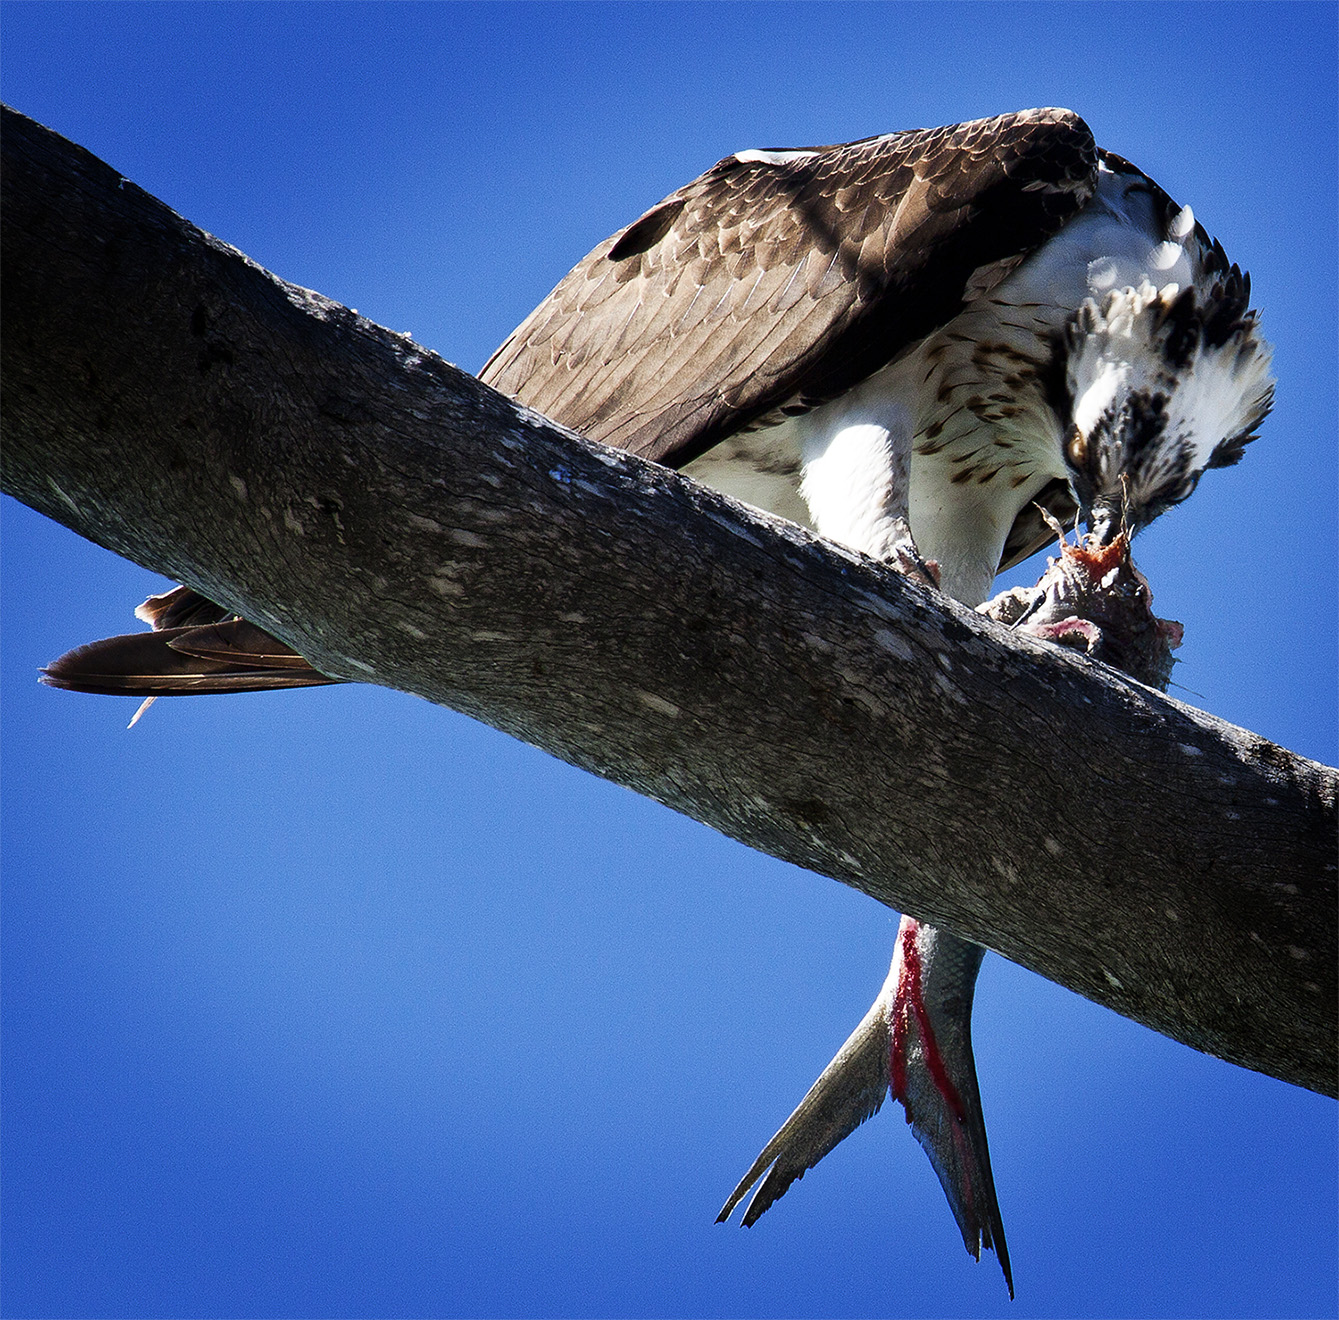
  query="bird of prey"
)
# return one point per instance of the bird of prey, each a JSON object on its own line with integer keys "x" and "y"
{"x": 943, "y": 334}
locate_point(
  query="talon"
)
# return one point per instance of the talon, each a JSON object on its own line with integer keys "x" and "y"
{"x": 903, "y": 556}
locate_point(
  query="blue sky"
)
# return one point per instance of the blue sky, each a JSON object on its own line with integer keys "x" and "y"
{"x": 335, "y": 1003}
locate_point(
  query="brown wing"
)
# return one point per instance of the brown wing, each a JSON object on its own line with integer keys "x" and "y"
{"x": 780, "y": 281}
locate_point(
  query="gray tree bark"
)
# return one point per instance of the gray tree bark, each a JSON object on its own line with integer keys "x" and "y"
{"x": 399, "y": 523}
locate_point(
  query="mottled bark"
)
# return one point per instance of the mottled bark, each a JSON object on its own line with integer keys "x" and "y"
{"x": 399, "y": 523}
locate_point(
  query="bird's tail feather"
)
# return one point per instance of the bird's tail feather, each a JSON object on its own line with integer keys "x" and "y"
{"x": 195, "y": 648}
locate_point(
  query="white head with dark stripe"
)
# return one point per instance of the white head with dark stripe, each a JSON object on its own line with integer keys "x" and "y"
{"x": 1163, "y": 384}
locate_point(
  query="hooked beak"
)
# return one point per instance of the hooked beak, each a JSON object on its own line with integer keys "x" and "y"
{"x": 1106, "y": 522}
{"x": 1111, "y": 515}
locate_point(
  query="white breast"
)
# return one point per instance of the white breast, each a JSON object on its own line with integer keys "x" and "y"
{"x": 970, "y": 402}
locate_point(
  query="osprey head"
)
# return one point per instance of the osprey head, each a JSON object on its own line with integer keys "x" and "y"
{"x": 1163, "y": 384}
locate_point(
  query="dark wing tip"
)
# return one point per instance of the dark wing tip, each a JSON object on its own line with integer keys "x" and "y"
{"x": 1031, "y": 532}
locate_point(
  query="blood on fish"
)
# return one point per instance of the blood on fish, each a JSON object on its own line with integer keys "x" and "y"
{"x": 910, "y": 998}
{"x": 1102, "y": 560}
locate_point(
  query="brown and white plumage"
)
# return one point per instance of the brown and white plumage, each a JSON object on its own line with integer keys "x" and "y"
{"x": 967, "y": 328}
{"x": 924, "y": 284}
{"x": 975, "y": 327}
{"x": 780, "y": 279}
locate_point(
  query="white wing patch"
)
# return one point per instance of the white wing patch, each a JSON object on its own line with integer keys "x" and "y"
{"x": 1116, "y": 241}
{"x": 771, "y": 157}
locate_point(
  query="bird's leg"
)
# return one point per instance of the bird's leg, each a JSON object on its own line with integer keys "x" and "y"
{"x": 857, "y": 484}
{"x": 900, "y": 549}
{"x": 903, "y": 555}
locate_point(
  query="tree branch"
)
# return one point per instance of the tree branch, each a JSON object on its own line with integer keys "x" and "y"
{"x": 399, "y": 523}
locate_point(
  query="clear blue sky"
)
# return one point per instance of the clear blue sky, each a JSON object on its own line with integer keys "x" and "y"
{"x": 334, "y": 1003}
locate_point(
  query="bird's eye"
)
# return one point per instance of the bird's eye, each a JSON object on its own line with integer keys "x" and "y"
{"x": 1076, "y": 449}
{"x": 1185, "y": 490}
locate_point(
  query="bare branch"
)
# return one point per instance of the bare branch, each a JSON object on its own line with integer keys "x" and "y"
{"x": 399, "y": 523}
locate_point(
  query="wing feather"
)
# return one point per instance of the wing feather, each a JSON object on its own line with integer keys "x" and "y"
{"x": 779, "y": 278}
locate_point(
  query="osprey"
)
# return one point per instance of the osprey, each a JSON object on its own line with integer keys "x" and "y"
{"x": 961, "y": 331}
{"x": 965, "y": 328}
